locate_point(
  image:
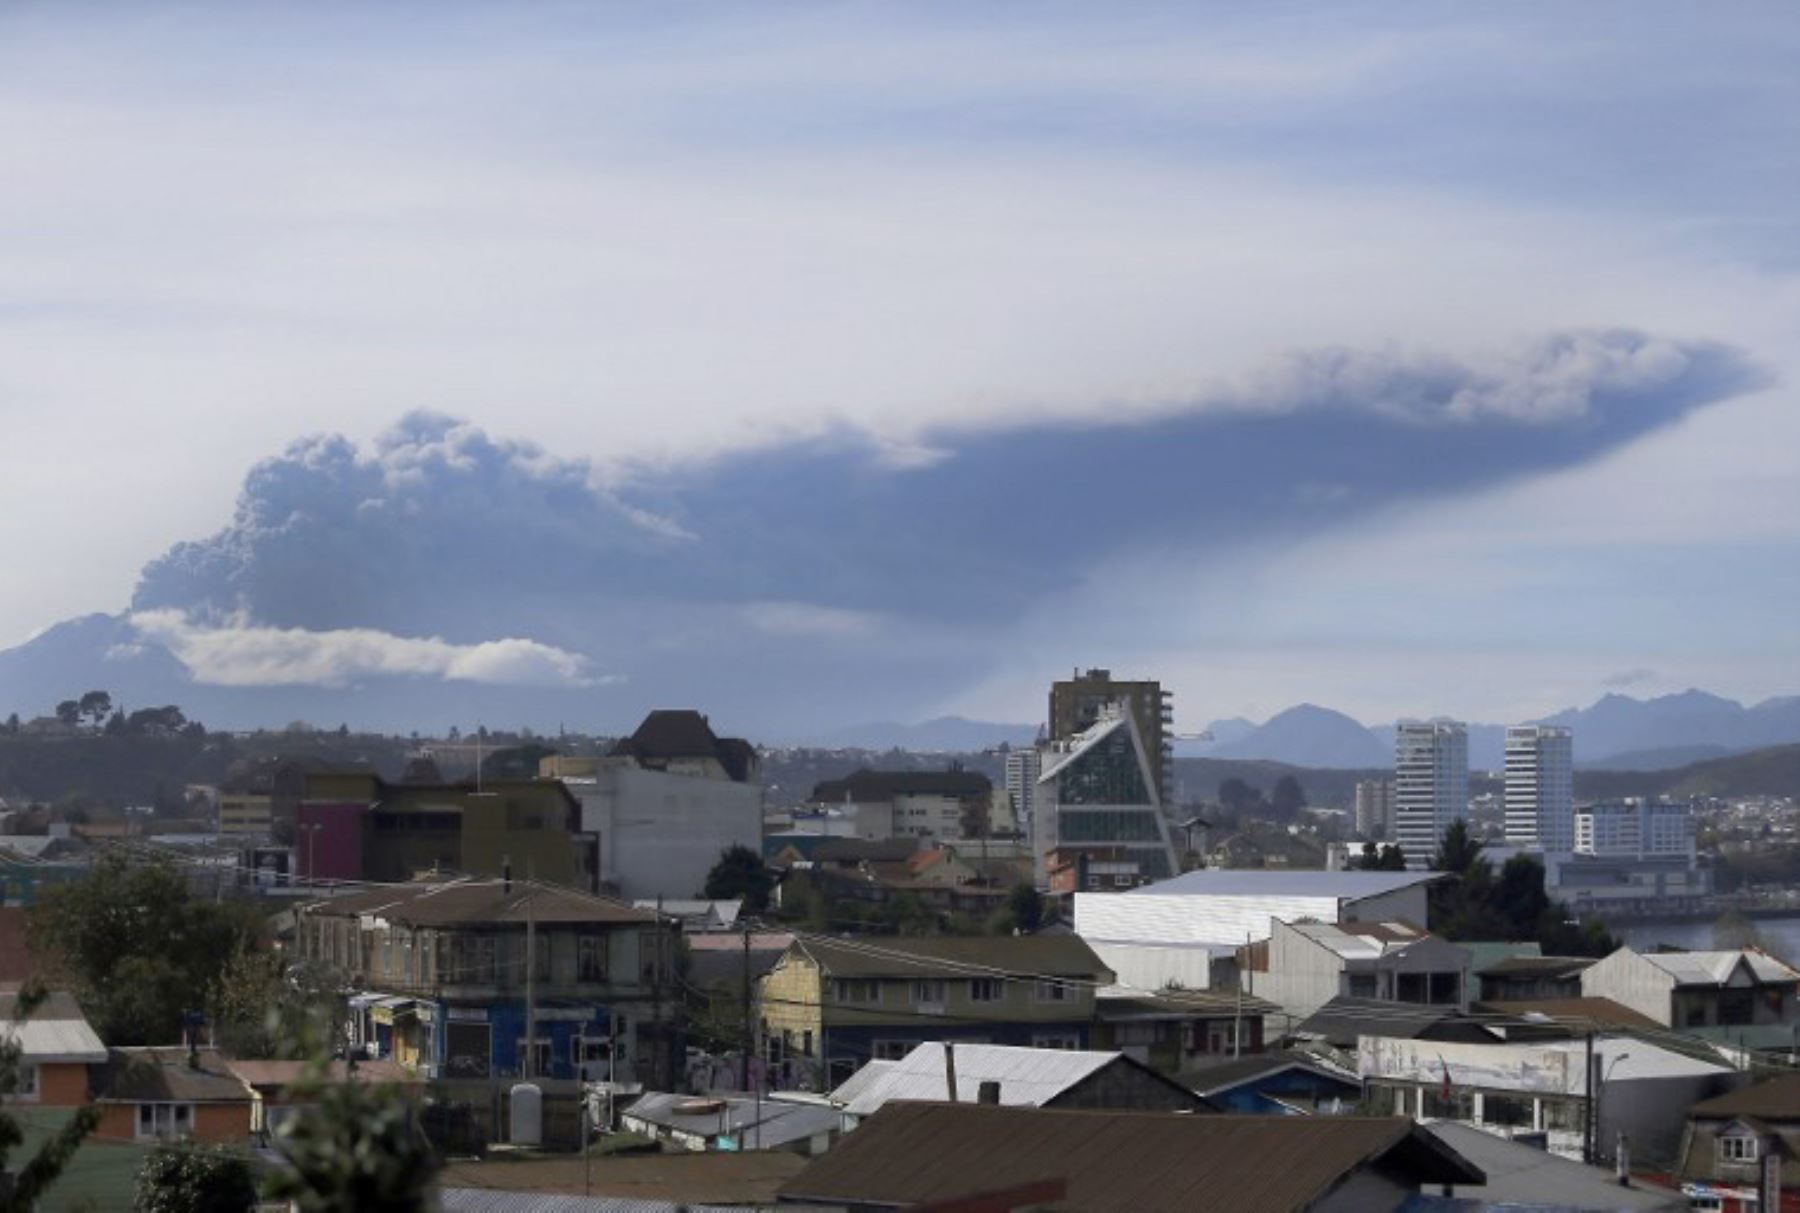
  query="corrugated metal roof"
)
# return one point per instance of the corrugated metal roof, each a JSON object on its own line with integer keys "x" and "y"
{"x": 1521, "y": 1176}
{"x": 866, "y": 1078}
{"x": 487, "y": 1200}
{"x": 1214, "y": 882}
{"x": 1027, "y": 1077}
{"x": 954, "y": 955}
{"x": 759, "y": 1124}
{"x": 1119, "y": 1162}
{"x": 1715, "y": 968}
{"x": 50, "y": 1040}
{"x": 1776, "y": 1101}
{"x": 481, "y": 902}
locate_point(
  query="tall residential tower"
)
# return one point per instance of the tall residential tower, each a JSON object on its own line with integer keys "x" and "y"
{"x": 1076, "y": 703}
{"x": 1431, "y": 785}
{"x": 1540, "y": 788}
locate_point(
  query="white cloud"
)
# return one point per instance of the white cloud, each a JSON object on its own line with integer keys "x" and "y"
{"x": 807, "y": 619}
{"x": 240, "y": 653}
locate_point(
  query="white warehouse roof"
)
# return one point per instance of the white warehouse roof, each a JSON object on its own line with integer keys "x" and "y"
{"x": 1031, "y": 1077}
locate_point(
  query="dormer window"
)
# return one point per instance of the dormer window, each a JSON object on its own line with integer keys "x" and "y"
{"x": 1739, "y": 1147}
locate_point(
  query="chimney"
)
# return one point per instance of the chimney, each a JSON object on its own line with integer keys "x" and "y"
{"x": 988, "y": 1092}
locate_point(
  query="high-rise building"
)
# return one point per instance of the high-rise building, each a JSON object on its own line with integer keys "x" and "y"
{"x": 1375, "y": 809}
{"x": 1640, "y": 828}
{"x": 1076, "y": 704}
{"x": 1023, "y": 766}
{"x": 1431, "y": 785}
{"x": 1097, "y": 812}
{"x": 1540, "y": 788}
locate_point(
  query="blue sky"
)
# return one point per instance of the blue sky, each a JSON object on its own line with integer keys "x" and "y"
{"x": 1420, "y": 359}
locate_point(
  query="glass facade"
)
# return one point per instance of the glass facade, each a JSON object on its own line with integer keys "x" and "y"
{"x": 1107, "y": 774}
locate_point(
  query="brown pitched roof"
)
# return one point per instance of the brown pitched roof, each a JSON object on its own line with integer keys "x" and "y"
{"x": 1118, "y": 1162}
{"x": 1775, "y": 1100}
{"x": 1575, "y": 1012}
{"x": 1538, "y": 966}
{"x": 684, "y": 733}
{"x": 855, "y": 850}
{"x": 481, "y": 902}
{"x": 956, "y": 955}
{"x": 164, "y": 1074}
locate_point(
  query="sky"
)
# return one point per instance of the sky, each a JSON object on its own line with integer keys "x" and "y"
{"x": 825, "y": 363}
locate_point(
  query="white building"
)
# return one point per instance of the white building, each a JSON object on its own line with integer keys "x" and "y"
{"x": 1023, "y": 767}
{"x": 1173, "y": 930}
{"x": 1639, "y": 828}
{"x": 1375, "y": 809}
{"x": 665, "y": 804}
{"x": 1540, "y": 787}
{"x": 1431, "y": 785}
{"x": 943, "y": 805}
{"x": 1307, "y": 964}
{"x": 1097, "y": 799}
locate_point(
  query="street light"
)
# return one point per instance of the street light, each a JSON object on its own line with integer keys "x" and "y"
{"x": 1605, "y": 1077}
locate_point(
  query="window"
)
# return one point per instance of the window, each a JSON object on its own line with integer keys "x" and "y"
{"x": 164, "y": 1121}
{"x": 985, "y": 989}
{"x": 928, "y": 993}
{"x": 1738, "y": 1147}
{"x": 543, "y": 1057}
{"x": 1055, "y": 1040}
{"x": 847, "y": 991}
{"x": 890, "y": 1050}
{"x": 26, "y": 1082}
{"x": 806, "y": 1049}
{"x": 1049, "y": 990}
{"x": 590, "y": 958}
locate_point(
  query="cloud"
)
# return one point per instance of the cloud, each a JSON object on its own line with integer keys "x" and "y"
{"x": 240, "y": 654}
{"x": 1628, "y": 678}
{"x": 805, "y": 619}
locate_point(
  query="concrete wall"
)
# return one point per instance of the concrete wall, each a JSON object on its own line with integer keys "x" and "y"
{"x": 661, "y": 833}
{"x": 1154, "y": 966}
{"x": 1401, "y": 905}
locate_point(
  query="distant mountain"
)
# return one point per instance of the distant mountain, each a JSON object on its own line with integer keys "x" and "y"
{"x": 1668, "y": 758}
{"x": 944, "y": 734}
{"x": 1311, "y": 736}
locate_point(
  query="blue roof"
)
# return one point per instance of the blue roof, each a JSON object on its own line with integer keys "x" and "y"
{"x": 1259, "y": 882}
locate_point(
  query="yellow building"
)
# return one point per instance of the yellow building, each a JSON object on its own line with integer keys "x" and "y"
{"x": 839, "y": 1003}
{"x": 245, "y": 815}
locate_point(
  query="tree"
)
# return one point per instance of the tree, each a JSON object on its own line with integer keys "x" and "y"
{"x": 165, "y": 721}
{"x": 140, "y": 949}
{"x": 741, "y": 872}
{"x": 69, "y": 712}
{"x": 94, "y": 707}
{"x": 1237, "y": 796}
{"x": 1027, "y": 907}
{"x": 12, "y": 724}
{"x": 1458, "y": 851}
{"x": 1288, "y": 797}
{"x": 182, "y": 1178}
{"x": 358, "y": 1146}
{"x": 28, "y": 1184}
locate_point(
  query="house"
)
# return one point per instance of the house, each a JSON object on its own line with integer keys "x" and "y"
{"x": 1278, "y": 1084}
{"x": 1304, "y": 965}
{"x": 444, "y": 972}
{"x": 1697, "y": 989}
{"x": 357, "y": 826}
{"x": 1532, "y": 978}
{"x": 734, "y": 1122}
{"x": 922, "y": 1155}
{"x": 833, "y": 1004}
{"x": 166, "y": 1093}
{"x": 1180, "y": 1030}
{"x": 1524, "y": 1086}
{"x": 1521, "y": 1176}
{"x": 1172, "y": 931}
{"x": 695, "y": 916}
{"x": 953, "y": 803}
{"x": 1728, "y": 1137}
{"x": 1014, "y": 1077}
{"x": 56, "y": 1048}
{"x": 664, "y": 804}
{"x": 1576, "y": 1015}
{"x": 280, "y": 1089}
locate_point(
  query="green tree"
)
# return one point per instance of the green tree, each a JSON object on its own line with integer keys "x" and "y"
{"x": 1027, "y": 907}
{"x": 1287, "y": 798}
{"x": 357, "y": 1146}
{"x": 69, "y": 712}
{"x": 12, "y": 724}
{"x": 24, "y": 1189}
{"x": 741, "y": 872}
{"x": 1458, "y": 851}
{"x": 262, "y": 1007}
{"x": 182, "y": 1178}
{"x": 140, "y": 949}
{"x": 94, "y": 707}
{"x": 1238, "y": 797}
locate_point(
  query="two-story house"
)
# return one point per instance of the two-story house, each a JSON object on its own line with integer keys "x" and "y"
{"x": 1697, "y": 989}
{"x": 452, "y": 975}
{"x": 1304, "y": 965}
{"x": 1729, "y": 1137}
{"x": 833, "y": 1004}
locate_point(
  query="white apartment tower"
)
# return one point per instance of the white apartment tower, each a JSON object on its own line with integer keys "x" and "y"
{"x": 1431, "y": 785}
{"x": 1375, "y": 809}
{"x": 1023, "y": 766}
{"x": 1540, "y": 788}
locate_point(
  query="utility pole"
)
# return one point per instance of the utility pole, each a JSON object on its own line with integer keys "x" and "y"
{"x": 530, "y": 1069}
{"x": 744, "y": 1061}
{"x": 950, "y": 1069}
{"x": 1590, "y": 1131}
